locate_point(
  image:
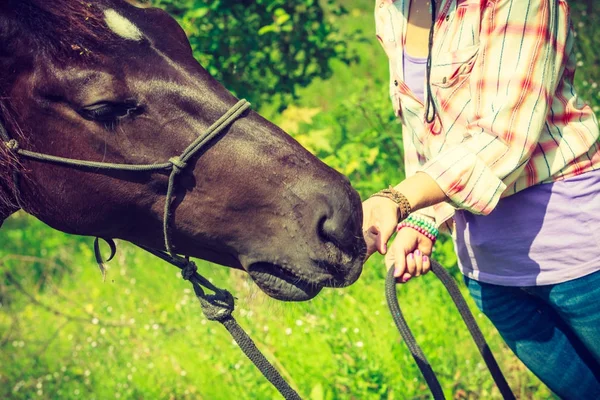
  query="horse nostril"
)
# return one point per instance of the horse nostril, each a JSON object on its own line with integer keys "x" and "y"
{"x": 338, "y": 217}
{"x": 337, "y": 229}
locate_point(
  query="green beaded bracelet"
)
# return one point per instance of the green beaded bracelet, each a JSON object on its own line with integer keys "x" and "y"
{"x": 424, "y": 223}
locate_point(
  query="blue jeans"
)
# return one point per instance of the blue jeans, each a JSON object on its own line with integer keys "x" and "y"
{"x": 553, "y": 329}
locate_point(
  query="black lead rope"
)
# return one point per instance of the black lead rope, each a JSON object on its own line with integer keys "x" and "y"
{"x": 467, "y": 316}
{"x": 219, "y": 307}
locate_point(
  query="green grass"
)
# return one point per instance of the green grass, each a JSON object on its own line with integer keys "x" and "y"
{"x": 141, "y": 334}
{"x": 66, "y": 334}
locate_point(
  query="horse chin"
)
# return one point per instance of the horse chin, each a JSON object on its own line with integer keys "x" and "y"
{"x": 282, "y": 284}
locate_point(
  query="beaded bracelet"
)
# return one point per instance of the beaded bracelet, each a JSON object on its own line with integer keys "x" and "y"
{"x": 421, "y": 225}
{"x": 424, "y": 222}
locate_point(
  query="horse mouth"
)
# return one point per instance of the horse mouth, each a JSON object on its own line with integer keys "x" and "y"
{"x": 282, "y": 284}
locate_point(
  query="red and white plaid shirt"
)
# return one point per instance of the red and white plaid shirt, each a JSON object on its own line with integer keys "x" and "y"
{"x": 502, "y": 80}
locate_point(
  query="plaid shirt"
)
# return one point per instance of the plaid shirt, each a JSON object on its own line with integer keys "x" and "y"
{"x": 508, "y": 116}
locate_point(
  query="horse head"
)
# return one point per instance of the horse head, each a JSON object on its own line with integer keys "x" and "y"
{"x": 110, "y": 82}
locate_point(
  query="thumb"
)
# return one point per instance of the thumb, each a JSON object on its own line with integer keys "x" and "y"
{"x": 386, "y": 230}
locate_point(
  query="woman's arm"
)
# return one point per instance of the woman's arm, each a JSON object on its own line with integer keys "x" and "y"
{"x": 421, "y": 191}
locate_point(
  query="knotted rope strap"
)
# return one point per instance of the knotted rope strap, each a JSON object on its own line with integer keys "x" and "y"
{"x": 175, "y": 165}
{"x": 467, "y": 316}
{"x": 219, "y": 307}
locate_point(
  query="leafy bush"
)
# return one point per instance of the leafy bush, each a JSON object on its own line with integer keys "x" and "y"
{"x": 263, "y": 50}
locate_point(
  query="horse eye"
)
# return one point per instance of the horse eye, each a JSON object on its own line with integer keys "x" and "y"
{"x": 109, "y": 111}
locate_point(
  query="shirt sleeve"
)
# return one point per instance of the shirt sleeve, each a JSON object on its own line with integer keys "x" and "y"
{"x": 513, "y": 81}
{"x": 413, "y": 161}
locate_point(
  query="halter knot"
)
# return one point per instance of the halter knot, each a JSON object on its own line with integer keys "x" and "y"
{"x": 217, "y": 307}
{"x": 178, "y": 164}
{"x": 189, "y": 270}
{"x": 12, "y": 145}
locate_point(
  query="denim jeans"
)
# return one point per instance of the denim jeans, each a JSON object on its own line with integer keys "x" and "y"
{"x": 553, "y": 329}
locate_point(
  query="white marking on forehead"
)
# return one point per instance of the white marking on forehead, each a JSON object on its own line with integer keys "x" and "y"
{"x": 121, "y": 25}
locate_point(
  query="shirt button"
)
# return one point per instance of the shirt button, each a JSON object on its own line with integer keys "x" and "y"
{"x": 381, "y": 4}
{"x": 395, "y": 83}
{"x": 444, "y": 80}
{"x": 448, "y": 17}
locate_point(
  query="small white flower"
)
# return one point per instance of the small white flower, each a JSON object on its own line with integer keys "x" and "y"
{"x": 299, "y": 322}
{"x": 288, "y": 331}
{"x": 95, "y": 321}
{"x": 359, "y": 344}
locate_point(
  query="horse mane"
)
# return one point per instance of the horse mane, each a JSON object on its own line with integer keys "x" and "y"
{"x": 52, "y": 29}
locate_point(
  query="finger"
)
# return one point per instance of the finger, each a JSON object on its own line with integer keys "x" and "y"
{"x": 405, "y": 278}
{"x": 386, "y": 230}
{"x": 426, "y": 264}
{"x": 370, "y": 242}
{"x": 373, "y": 233}
{"x": 397, "y": 261}
{"x": 390, "y": 259}
{"x": 410, "y": 264}
{"x": 418, "y": 256}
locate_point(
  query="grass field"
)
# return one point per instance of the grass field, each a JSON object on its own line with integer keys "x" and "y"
{"x": 66, "y": 334}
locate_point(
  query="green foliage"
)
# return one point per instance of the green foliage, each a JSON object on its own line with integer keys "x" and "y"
{"x": 263, "y": 50}
{"x": 587, "y": 78}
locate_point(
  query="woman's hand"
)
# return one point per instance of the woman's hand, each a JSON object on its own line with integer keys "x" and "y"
{"x": 409, "y": 254}
{"x": 380, "y": 217}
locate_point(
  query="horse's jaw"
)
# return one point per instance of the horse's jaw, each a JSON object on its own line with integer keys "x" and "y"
{"x": 290, "y": 284}
{"x": 281, "y": 284}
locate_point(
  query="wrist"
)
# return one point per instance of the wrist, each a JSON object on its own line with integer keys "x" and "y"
{"x": 421, "y": 191}
{"x": 421, "y": 224}
{"x": 403, "y": 206}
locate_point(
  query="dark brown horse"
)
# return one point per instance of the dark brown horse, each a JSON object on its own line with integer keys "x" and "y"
{"x": 107, "y": 81}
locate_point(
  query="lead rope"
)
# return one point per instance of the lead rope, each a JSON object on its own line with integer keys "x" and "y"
{"x": 467, "y": 316}
{"x": 217, "y": 307}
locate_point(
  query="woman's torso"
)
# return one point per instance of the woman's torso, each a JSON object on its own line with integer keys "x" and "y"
{"x": 567, "y": 145}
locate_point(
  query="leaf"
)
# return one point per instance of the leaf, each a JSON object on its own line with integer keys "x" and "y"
{"x": 373, "y": 153}
{"x": 267, "y": 29}
{"x": 320, "y": 140}
{"x": 198, "y": 12}
{"x": 293, "y": 116}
